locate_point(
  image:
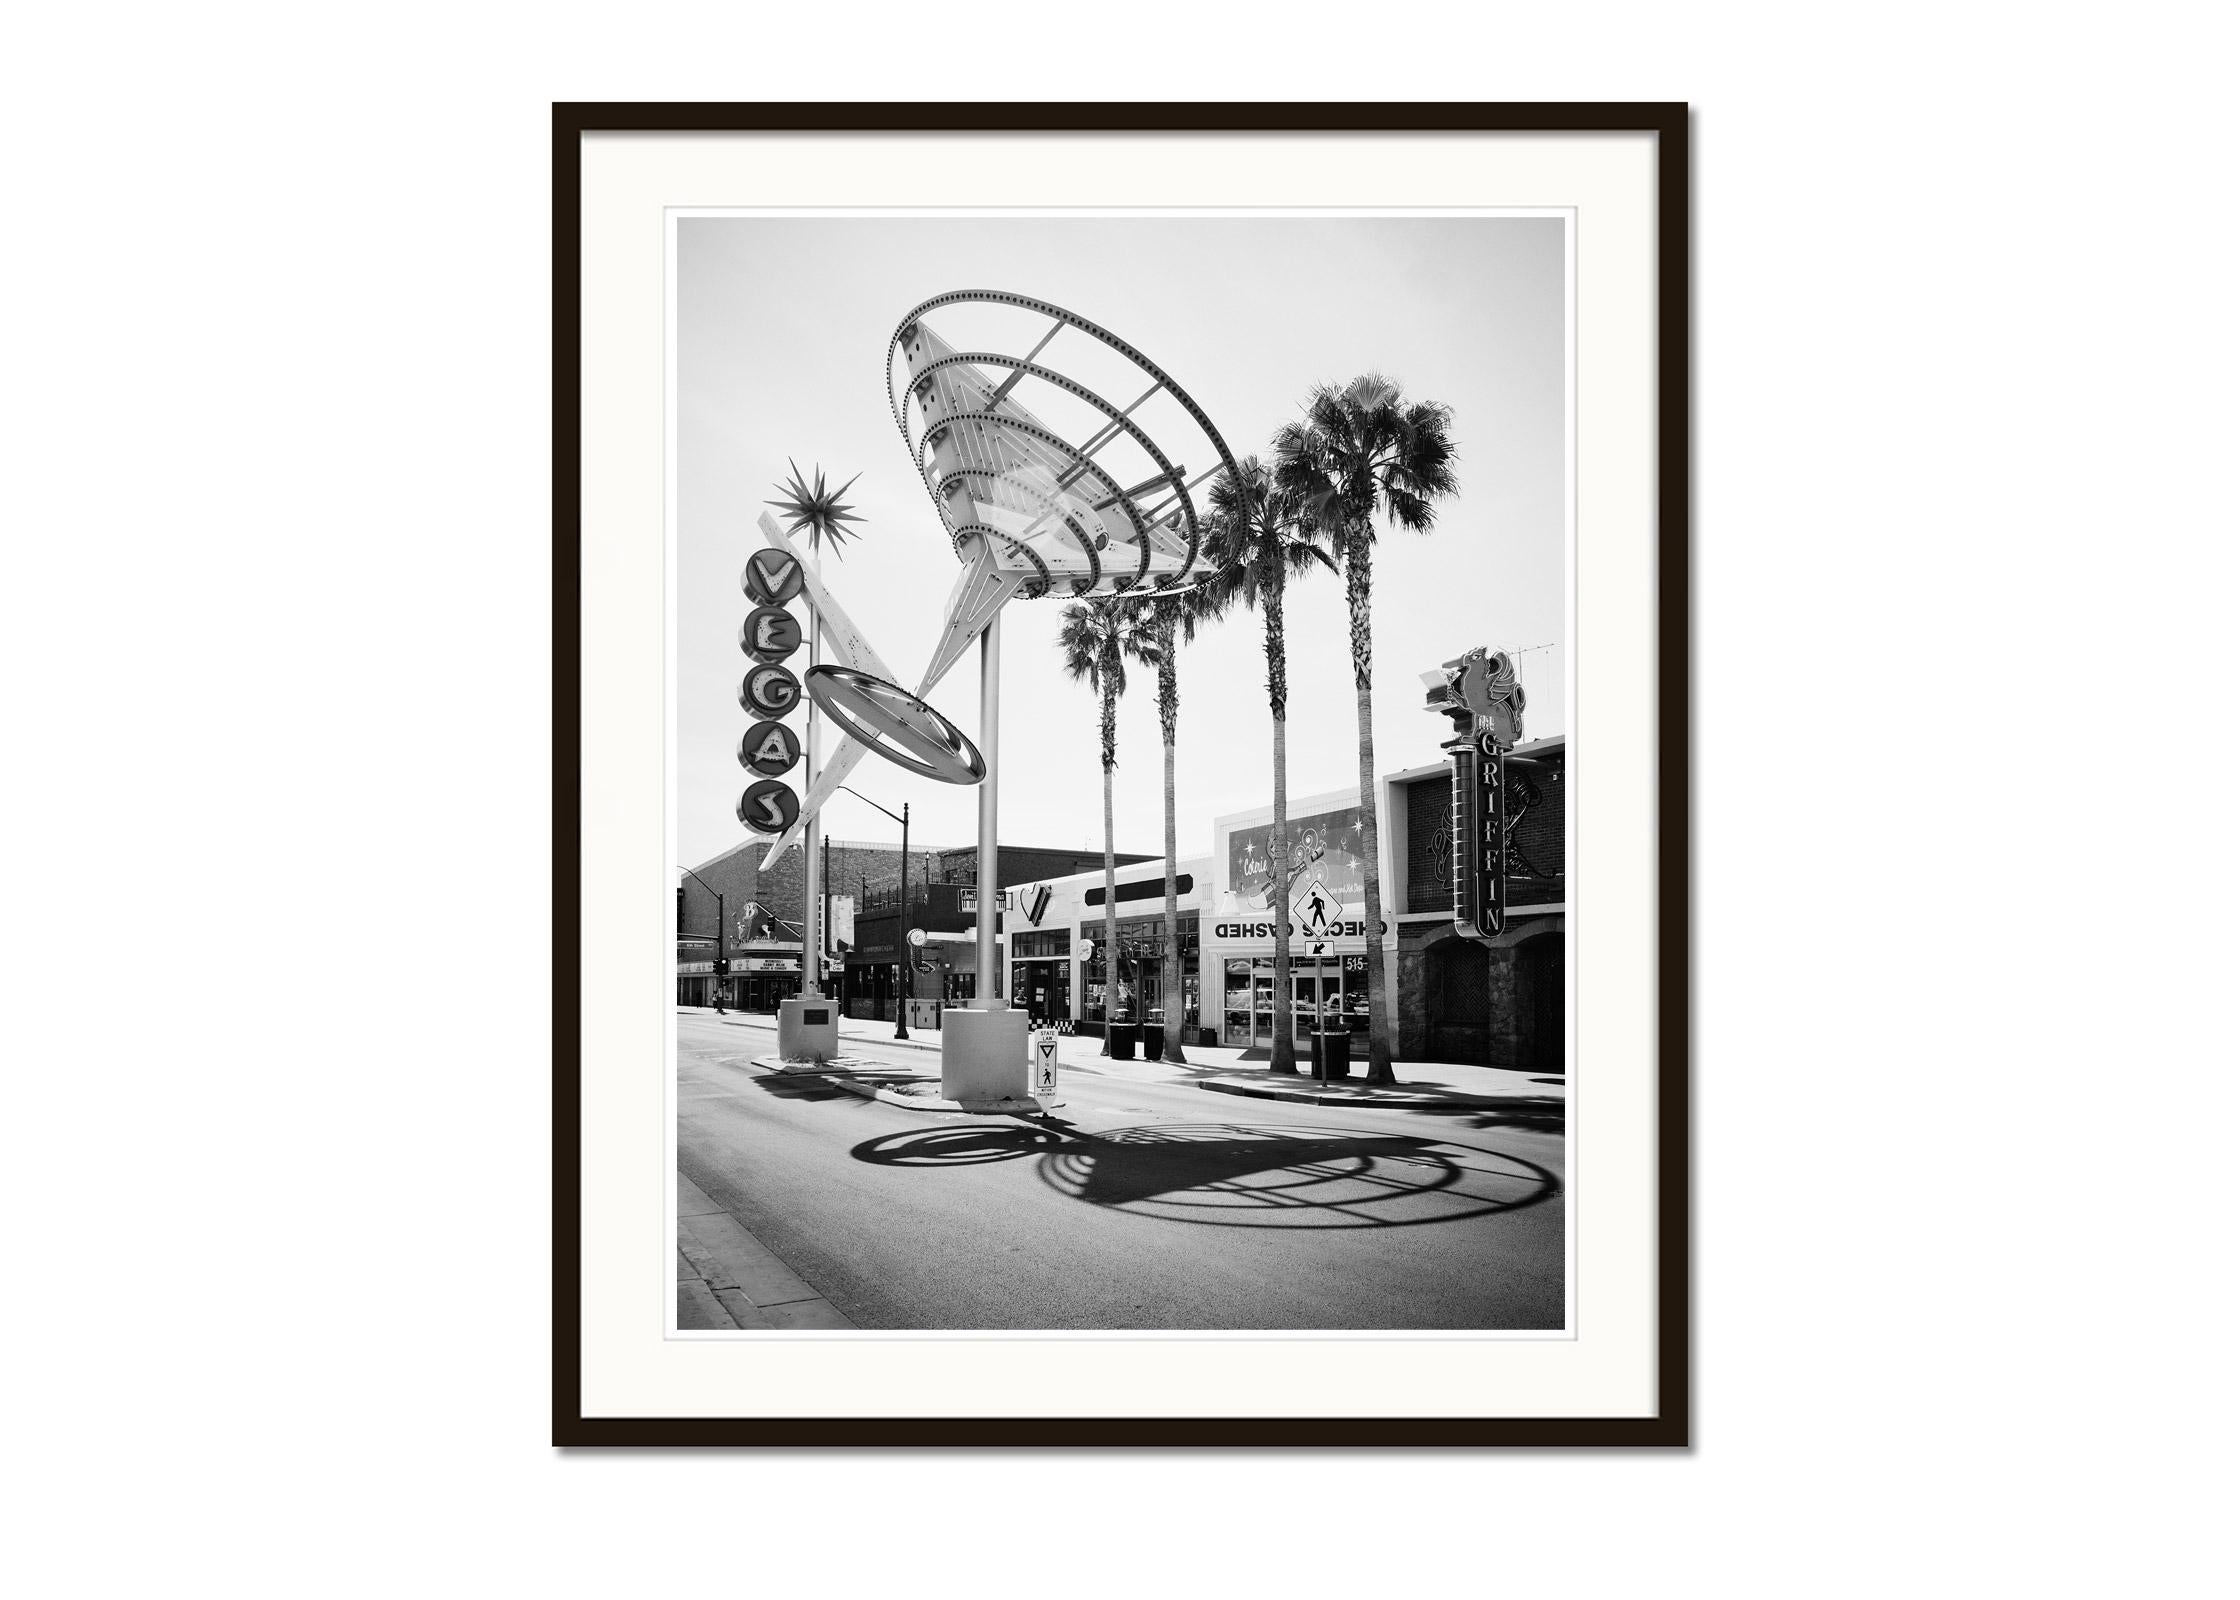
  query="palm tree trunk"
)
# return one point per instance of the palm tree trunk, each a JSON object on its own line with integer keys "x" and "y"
{"x": 1357, "y": 607}
{"x": 1283, "y": 1054}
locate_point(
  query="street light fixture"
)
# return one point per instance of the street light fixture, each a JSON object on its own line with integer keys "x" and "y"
{"x": 909, "y": 987}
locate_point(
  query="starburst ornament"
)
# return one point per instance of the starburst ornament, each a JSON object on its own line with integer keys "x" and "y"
{"x": 818, "y": 511}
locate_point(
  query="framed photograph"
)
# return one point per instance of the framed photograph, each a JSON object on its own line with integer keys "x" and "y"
{"x": 1121, "y": 775}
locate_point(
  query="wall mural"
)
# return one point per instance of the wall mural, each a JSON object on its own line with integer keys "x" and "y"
{"x": 1329, "y": 840}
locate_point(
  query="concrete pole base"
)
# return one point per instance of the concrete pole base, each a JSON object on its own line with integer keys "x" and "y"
{"x": 808, "y": 1030}
{"x": 984, "y": 1053}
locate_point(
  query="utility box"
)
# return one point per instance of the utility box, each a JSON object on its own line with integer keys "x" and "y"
{"x": 808, "y": 1029}
{"x": 984, "y": 1053}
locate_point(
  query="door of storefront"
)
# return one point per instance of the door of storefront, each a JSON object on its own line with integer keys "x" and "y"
{"x": 1042, "y": 986}
{"x": 1540, "y": 1003}
{"x": 1457, "y": 1001}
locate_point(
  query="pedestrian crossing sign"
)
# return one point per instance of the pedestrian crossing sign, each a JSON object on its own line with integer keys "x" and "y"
{"x": 1313, "y": 911}
{"x": 1044, "y": 1060}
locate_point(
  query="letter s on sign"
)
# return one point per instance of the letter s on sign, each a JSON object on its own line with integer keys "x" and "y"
{"x": 769, "y": 806}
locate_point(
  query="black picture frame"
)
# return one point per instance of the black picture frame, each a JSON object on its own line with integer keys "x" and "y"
{"x": 1669, "y": 1426}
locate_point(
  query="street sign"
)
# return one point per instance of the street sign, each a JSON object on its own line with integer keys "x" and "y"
{"x": 1043, "y": 1057}
{"x": 1313, "y": 910}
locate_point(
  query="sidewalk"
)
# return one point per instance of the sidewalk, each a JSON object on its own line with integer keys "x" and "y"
{"x": 1422, "y": 1086}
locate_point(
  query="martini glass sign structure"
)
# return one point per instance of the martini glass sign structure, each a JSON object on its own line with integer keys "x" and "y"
{"x": 1083, "y": 503}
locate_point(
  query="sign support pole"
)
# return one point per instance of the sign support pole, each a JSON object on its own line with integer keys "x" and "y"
{"x": 812, "y": 835}
{"x": 1321, "y": 1043}
{"x": 992, "y": 985}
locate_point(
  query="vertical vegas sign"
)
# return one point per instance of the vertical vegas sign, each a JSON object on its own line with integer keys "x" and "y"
{"x": 1480, "y": 694}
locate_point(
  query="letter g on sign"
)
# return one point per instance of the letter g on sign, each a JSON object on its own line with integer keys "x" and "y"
{"x": 769, "y": 691}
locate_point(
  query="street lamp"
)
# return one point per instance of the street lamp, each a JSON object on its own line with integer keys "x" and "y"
{"x": 909, "y": 988}
{"x": 723, "y": 967}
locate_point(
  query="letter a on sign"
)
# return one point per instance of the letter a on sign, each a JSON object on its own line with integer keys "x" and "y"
{"x": 769, "y": 748}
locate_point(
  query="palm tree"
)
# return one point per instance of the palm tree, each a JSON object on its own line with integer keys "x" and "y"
{"x": 1165, "y": 617}
{"x": 1360, "y": 451}
{"x": 1259, "y": 546}
{"x": 1099, "y": 638}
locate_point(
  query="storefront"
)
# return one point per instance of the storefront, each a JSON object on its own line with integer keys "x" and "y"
{"x": 1060, "y": 970}
{"x": 1321, "y": 898}
{"x": 763, "y": 974}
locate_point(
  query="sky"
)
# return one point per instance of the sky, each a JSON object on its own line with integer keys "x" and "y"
{"x": 782, "y": 325}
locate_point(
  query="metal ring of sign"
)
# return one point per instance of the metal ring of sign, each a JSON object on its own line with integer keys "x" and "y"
{"x": 1103, "y": 336}
{"x": 875, "y": 712}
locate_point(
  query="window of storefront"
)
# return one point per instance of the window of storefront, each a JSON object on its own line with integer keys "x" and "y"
{"x": 1142, "y": 969}
{"x": 1332, "y": 995}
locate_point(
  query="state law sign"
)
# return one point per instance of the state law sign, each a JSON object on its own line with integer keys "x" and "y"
{"x": 1043, "y": 1058}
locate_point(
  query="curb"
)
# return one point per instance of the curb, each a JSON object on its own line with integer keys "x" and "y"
{"x": 1339, "y": 1097}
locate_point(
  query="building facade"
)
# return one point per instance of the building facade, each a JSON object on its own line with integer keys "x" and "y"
{"x": 1455, "y": 999}
{"x": 884, "y": 967}
{"x": 1458, "y": 999}
{"x": 761, "y": 915}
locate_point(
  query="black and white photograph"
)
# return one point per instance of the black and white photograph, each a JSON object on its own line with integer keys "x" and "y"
{"x": 1120, "y": 768}
{"x": 1036, "y": 800}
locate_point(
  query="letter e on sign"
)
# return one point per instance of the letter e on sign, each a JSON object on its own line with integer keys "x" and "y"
{"x": 769, "y": 633}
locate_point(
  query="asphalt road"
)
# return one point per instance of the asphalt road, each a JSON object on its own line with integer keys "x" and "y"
{"x": 1133, "y": 1205}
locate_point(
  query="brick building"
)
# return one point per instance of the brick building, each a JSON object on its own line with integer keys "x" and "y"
{"x": 1457, "y": 999}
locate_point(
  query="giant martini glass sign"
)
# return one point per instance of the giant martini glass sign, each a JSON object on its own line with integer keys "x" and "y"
{"x": 1082, "y": 501}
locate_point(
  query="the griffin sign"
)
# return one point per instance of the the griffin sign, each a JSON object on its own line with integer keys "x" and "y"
{"x": 1479, "y": 693}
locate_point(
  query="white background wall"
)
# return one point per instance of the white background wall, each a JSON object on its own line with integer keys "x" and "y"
{"x": 276, "y": 380}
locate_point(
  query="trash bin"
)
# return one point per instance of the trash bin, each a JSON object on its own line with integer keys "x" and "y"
{"x": 1122, "y": 1037}
{"x": 1333, "y": 1053}
{"x": 1154, "y": 1040}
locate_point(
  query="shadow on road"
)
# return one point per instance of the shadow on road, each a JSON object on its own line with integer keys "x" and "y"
{"x": 1236, "y": 1175}
{"x": 1535, "y": 1113}
{"x": 803, "y": 1086}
